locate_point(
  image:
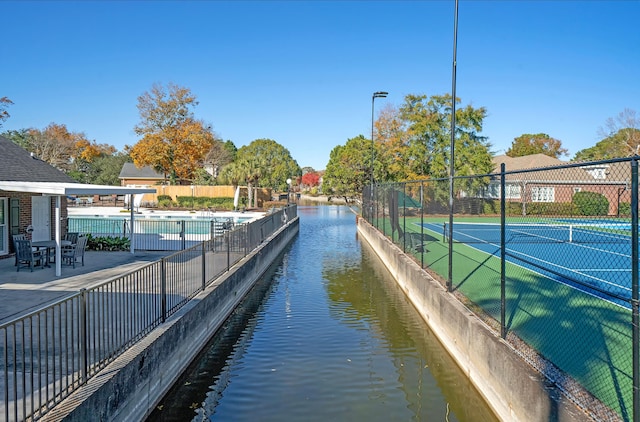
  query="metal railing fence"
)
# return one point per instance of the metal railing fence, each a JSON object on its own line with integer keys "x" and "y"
{"x": 52, "y": 351}
{"x": 548, "y": 257}
{"x": 155, "y": 234}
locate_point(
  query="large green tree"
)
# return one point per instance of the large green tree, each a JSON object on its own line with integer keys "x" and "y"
{"x": 173, "y": 141}
{"x": 429, "y": 130}
{"x": 103, "y": 170}
{"x": 620, "y": 144}
{"x": 19, "y": 137}
{"x": 621, "y": 138}
{"x": 348, "y": 169}
{"x": 263, "y": 163}
{"x": 428, "y": 123}
{"x": 539, "y": 143}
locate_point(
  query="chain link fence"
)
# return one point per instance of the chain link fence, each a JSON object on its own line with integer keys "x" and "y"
{"x": 548, "y": 257}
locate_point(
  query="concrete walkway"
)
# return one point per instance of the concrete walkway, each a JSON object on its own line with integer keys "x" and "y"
{"x": 24, "y": 291}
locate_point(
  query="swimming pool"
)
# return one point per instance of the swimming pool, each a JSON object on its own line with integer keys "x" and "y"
{"x": 157, "y": 232}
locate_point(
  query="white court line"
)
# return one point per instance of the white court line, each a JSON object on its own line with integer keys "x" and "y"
{"x": 550, "y": 263}
{"x": 621, "y": 270}
{"x": 537, "y": 272}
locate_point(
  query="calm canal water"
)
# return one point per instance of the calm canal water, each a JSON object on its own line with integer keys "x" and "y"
{"x": 326, "y": 336}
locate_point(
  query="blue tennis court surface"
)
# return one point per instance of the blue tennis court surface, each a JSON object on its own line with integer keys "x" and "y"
{"x": 591, "y": 255}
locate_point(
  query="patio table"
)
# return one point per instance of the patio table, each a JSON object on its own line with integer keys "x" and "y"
{"x": 49, "y": 244}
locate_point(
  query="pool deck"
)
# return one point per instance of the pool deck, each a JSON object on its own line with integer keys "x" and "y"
{"x": 25, "y": 291}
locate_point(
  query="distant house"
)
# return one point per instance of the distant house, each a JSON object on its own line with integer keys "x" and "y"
{"x": 559, "y": 185}
{"x": 133, "y": 176}
{"x": 26, "y": 212}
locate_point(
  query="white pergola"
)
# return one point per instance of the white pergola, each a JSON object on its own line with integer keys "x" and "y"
{"x": 60, "y": 190}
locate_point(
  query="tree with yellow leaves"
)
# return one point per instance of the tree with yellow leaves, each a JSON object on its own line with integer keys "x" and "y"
{"x": 173, "y": 141}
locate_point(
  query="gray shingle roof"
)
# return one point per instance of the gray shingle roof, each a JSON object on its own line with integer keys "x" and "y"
{"x": 130, "y": 171}
{"x": 17, "y": 165}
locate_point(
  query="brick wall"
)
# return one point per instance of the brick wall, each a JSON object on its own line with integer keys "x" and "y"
{"x": 24, "y": 218}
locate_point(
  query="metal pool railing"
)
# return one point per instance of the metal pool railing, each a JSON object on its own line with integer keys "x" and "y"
{"x": 155, "y": 234}
{"x": 50, "y": 352}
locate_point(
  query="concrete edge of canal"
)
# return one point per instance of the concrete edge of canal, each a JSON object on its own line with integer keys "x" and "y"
{"x": 511, "y": 387}
{"x": 129, "y": 388}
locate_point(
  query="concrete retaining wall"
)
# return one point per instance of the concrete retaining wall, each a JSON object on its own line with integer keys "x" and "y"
{"x": 513, "y": 389}
{"x": 129, "y": 388}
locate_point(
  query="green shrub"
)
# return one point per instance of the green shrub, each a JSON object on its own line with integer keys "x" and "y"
{"x": 624, "y": 208}
{"x": 590, "y": 203}
{"x": 514, "y": 208}
{"x": 274, "y": 204}
{"x": 165, "y": 201}
{"x": 491, "y": 206}
{"x": 551, "y": 208}
{"x": 107, "y": 243}
{"x": 201, "y": 202}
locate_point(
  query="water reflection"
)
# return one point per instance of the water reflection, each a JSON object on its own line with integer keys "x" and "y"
{"x": 331, "y": 337}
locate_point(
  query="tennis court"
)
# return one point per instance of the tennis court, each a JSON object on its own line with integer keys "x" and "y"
{"x": 556, "y": 278}
{"x": 591, "y": 255}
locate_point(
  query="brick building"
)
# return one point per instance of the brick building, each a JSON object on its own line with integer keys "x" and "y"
{"x": 26, "y": 212}
{"x": 32, "y": 194}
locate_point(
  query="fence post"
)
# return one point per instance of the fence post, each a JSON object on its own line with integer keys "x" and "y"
{"x": 182, "y": 235}
{"x": 634, "y": 289}
{"x": 404, "y": 217}
{"x": 84, "y": 347}
{"x": 212, "y": 229}
{"x": 204, "y": 266}
{"x": 503, "y": 208}
{"x": 245, "y": 229}
{"x": 163, "y": 290}
{"x": 374, "y": 207}
{"x": 226, "y": 238}
{"x": 450, "y": 233}
{"x": 384, "y": 228}
{"x": 422, "y": 248}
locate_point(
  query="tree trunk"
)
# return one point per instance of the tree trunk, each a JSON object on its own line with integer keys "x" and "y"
{"x": 249, "y": 195}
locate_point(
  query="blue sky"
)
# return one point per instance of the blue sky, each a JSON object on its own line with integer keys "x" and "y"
{"x": 302, "y": 73}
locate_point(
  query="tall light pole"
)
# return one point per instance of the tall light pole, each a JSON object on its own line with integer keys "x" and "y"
{"x": 377, "y": 94}
{"x": 452, "y": 148}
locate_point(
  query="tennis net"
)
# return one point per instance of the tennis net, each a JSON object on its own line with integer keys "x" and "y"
{"x": 473, "y": 232}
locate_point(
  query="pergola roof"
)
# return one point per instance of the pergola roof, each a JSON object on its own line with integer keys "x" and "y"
{"x": 61, "y": 188}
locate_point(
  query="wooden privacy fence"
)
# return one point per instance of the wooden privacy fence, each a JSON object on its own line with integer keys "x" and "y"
{"x": 223, "y": 191}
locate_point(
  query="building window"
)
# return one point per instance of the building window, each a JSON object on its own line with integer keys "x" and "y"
{"x": 599, "y": 173}
{"x": 512, "y": 191}
{"x": 543, "y": 194}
